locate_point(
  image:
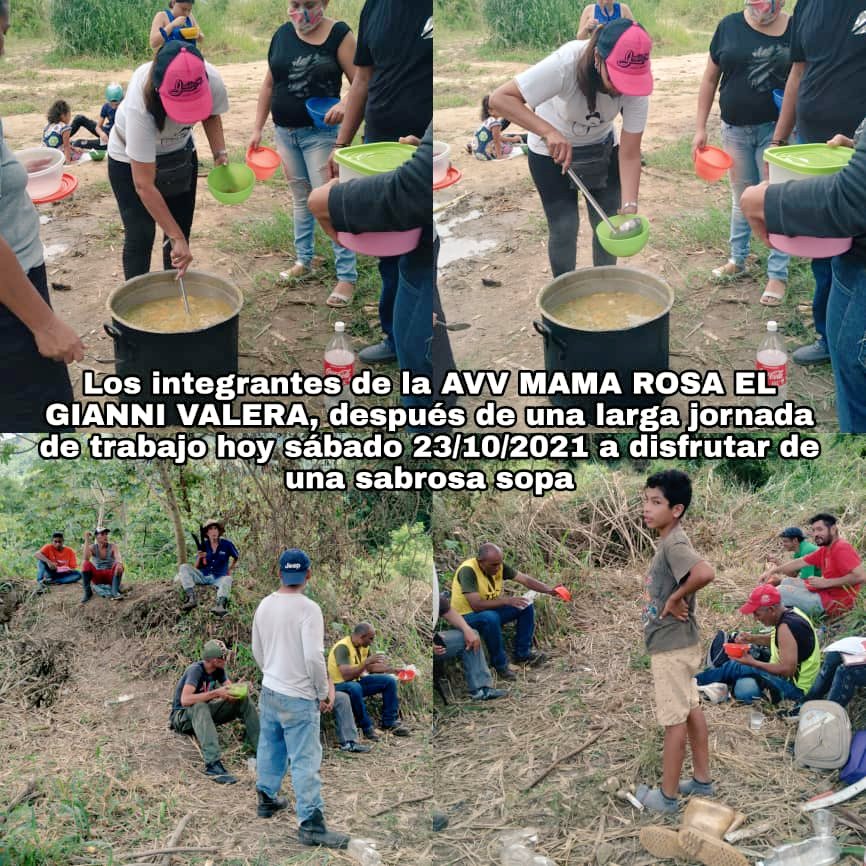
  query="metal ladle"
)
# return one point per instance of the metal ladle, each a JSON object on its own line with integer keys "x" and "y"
{"x": 457, "y": 326}
{"x": 183, "y": 295}
{"x": 630, "y": 228}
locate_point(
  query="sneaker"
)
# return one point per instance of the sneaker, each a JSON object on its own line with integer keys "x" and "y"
{"x": 370, "y": 734}
{"x": 313, "y": 832}
{"x": 693, "y": 786}
{"x": 486, "y": 693}
{"x": 729, "y": 271}
{"x": 655, "y": 800}
{"x": 506, "y": 673}
{"x": 269, "y": 806}
{"x": 380, "y": 353}
{"x": 814, "y": 353}
{"x": 532, "y": 660}
{"x": 352, "y": 746}
{"x": 219, "y": 773}
{"x": 398, "y": 730}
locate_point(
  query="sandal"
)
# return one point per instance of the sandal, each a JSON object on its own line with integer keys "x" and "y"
{"x": 343, "y": 298}
{"x": 298, "y": 269}
{"x": 729, "y": 271}
{"x": 774, "y": 293}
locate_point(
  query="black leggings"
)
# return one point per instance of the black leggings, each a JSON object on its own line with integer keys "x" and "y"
{"x": 559, "y": 200}
{"x": 139, "y": 226}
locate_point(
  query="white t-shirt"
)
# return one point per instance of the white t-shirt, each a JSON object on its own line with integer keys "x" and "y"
{"x": 135, "y": 136}
{"x": 289, "y": 646}
{"x": 550, "y": 89}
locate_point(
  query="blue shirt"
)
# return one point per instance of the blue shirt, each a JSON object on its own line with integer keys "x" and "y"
{"x": 604, "y": 17}
{"x": 216, "y": 561}
{"x": 108, "y": 112}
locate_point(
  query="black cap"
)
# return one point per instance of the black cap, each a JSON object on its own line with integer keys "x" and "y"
{"x": 792, "y": 532}
{"x": 57, "y": 535}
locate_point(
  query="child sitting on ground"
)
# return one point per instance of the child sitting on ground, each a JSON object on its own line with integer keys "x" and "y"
{"x": 489, "y": 141}
{"x": 61, "y": 127}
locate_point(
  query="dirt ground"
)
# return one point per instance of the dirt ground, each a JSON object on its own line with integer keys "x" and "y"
{"x": 283, "y": 327}
{"x": 493, "y": 229}
{"x": 109, "y": 729}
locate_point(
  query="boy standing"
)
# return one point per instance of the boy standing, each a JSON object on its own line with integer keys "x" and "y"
{"x": 676, "y": 573}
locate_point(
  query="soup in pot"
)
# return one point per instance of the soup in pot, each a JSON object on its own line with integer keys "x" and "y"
{"x": 607, "y": 311}
{"x": 168, "y": 316}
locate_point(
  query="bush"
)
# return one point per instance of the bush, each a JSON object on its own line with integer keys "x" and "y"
{"x": 99, "y": 27}
{"x": 30, "y": 16}
{"x": 536, "y": 23}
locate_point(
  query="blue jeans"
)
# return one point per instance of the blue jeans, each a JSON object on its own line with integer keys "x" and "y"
{"x": 475, "y": 670}
{"x": 372, "y": 684}
{"x": 488, "y": 623}
{"x": 45, "y": 575}
{"x": 835, "y": 682}
{"x": 413, "y": 317}
{"x": 748, "y": 683}
{"x": 846, "y": 338}
{"x": 304, "y": 152}
{"x": 191, "y": 577}
{"x": 389, "y": 268}
{"x": 794, "y": 594}
{"x": 746, "y": 145}
{"x": 822, "y": 271}
{"x": 289, "y": 738}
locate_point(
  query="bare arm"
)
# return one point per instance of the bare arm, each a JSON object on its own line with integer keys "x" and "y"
{"x": 200, "y": 37}
{"x": 188, "y": 697}
{"x": 788, "y": 113}
{"x": 476, "y": 602}
{"x": 43, "y": 558}
{"x": 85, "y": 554}
{"x": 701, "y": 574}
{"x": 790, "y": 568}
{"x": 706, "y": 95}
{"x": 263, "y": 107}
{"x": 116, "y": 552}
{"x": 355, "y": 104}
{"x": 853, "y": 578}
{"x": 787, "y": 664}
{"x": 629, "y": 169}
{"x": 532, "y": 583}
{"x": 587, "y": 22}
{"x": 626, "y": 12}
{"x": 470, "y": 636}
{"x": 160, "y": 20}
{"x": 345, "y": 57}
{"x": 213, "y": 129}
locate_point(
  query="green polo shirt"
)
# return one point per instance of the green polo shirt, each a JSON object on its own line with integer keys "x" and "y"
{"x": 805, "y": 548}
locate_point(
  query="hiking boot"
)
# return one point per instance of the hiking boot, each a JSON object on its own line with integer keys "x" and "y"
{"x": 219, "y": 773}
{"x": 506, "y": 673}
{"x": 814, "y": 353}
{"x": 709, "y": 850}
{"x": 269, "y": 806}
{"x": 313, "y": 832}
{"x": 219, "y": 609}
{"x": 370, "y": 734}
{"x": 693, "y": 786}
{"x": 191, "y": 600}
{"x": 532, "y": 660}
{"x": 486, "y": 693}
{"x": 398, "y": 730}
{"x": 352, "y": 746}
{"x": 88, "y": 594}
{"x": 380, "y": 353}
{"x": 655, "y": 800}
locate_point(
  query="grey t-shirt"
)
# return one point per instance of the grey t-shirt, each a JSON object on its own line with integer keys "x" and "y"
{"x": 674, "y": 559}
{"x": 19, "y": 220}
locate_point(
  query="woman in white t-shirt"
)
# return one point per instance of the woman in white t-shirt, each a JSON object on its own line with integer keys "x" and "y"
{"x": 152, "y": 161}
{"x": 569, "y": 102}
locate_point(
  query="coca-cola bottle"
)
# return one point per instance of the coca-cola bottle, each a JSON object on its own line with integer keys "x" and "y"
{"x": 339, "y": 361}
{"x": 773, "y": 359}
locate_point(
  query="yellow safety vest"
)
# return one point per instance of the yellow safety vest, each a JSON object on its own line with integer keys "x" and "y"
{"x": 357, "y": 655}
{"x": 488, "y": 587}
{"x": 807, "y": 671}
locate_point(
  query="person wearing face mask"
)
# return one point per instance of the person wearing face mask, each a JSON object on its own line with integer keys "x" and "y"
{"x": 175, "y": 24}
{"x": 824, "y": 96}
{"x": 569, "y": 102}
{"x": 308, "y": 56}
{"x": 750, "y": 53}
{"x": 596, "y": 14}
{"x": 36, "y": 343}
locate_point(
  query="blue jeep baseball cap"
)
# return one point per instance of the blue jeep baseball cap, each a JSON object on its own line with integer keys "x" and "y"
{"x": 294, "y": 565}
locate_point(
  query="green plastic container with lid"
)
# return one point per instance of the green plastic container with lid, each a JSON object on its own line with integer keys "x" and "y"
{"x": 801, "y": 161}
{"x": 364, "y": 160}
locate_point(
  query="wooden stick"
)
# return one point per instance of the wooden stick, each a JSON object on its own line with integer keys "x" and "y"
{"x": 566, "y": 757}
{"x": 175, "y": 837}
{"x": 400, "y": 803}
{"x": 140, "y": 855}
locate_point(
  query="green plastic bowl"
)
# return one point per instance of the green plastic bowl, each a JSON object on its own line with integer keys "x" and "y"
{"x": 627, "y": 246}
{"x": 97, "y": 155}
{"x": 232, "y": 183}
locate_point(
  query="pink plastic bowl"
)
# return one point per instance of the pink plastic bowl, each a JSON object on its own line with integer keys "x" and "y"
{"x": 809, "y": 247}
{"x": 380, "y": 243}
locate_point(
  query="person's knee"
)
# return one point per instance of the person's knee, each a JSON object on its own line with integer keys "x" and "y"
{"x": 746, "y": 690}
{"x": 486, "y": 619}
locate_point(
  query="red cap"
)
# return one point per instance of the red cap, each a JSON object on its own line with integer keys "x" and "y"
{"x": 765, "y": 595}
{"x": 182, "y": 83}
{"x": 625, "y": 47}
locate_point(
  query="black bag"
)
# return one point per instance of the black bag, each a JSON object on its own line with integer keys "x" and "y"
{"x": 592, "y": 162}
{"x": 174, "y": 171}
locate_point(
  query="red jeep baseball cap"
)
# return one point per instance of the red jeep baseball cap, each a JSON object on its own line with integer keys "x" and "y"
{"x": 765, "y": 595}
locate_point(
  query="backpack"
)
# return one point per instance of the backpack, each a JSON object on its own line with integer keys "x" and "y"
{"x": 823, "y": 736}
{"x": 855, "y": 769}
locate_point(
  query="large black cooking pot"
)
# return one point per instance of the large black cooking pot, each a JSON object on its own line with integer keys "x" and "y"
{"x": 569, "y": 349}
{"x": 211, "y": 351}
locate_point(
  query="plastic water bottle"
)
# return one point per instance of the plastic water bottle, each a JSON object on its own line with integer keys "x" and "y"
{"x": 339, "y": 361}
{"x": 364, "y": 851}
{"x": 773, "y": 358}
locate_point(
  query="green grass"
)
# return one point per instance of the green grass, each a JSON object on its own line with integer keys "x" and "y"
{"x": 453, "y": 96}
{"x": 676, "y": 156}
{"x": 17, "y": 106}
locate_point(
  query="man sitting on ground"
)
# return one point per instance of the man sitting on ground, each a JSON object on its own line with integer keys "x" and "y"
{"x": 102, "y": 569}
{"x": 841, "y": 573}
{"x": 360, "y": 675}
{"x": 476, "y": 594}
{"x": 464, "y": 641}
{"x": 213, "y": 567}
{"x": 794, "y": 653}
{"x": 56, "y": 564}
{"x": 203, "y": 700}
{"x": 795, "y": 543}
{"x": 344, "y": 724}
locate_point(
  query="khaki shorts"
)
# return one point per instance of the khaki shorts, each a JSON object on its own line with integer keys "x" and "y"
{"x": 676, "y": 692}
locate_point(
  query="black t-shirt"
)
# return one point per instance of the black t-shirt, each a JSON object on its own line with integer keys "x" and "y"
{"x": 395, "y": 37}
{"x": 753, "y": 65}
{"x": 301, "y": 70}
{"x": 196, "y": 675}
{"x": 829, "y": 36}
{"x": 803, "y": 635}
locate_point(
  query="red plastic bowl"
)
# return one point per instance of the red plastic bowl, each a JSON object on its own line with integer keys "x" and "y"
{"x": 712, "y": 163}
{"x": 264, "y": 161}
{"x": 735, "y": 650}
{"x": 562, "y": 592}
{"x": 405, "y": 676}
